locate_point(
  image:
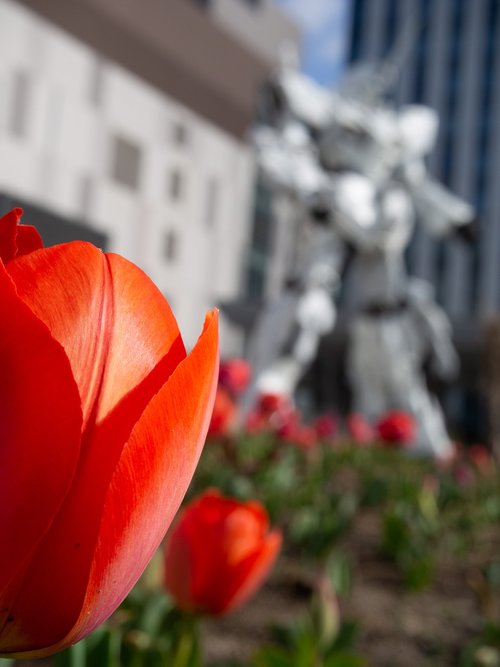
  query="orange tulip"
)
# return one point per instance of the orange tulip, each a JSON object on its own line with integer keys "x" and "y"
{"x": 219, "y": 553}
{"x": 102, "y": 421}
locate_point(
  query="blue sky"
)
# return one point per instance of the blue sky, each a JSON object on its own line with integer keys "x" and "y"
{"x": 324, "y": 24}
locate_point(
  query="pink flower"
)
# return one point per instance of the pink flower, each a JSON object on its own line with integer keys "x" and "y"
{"x": 326, "y": 426}
{"x": 359, "y": 428}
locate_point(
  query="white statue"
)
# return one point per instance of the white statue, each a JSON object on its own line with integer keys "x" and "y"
{"x": 359, "y": 165}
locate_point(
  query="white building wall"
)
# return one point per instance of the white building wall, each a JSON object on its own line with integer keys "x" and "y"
{"x": 263, "y": 27}
{"x": 62, "y": 110}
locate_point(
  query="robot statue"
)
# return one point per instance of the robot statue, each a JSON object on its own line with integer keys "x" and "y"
{"x": 356, "y": 167}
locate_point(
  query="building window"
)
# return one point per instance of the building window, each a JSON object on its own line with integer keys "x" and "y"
{"x": 171, "y": 246}
{"x": 126, "y": 162}
{"x": 391, "y": 24}
{"x": 86, "y": 195}
{"x": 211, "y": 202}
{"x": 180, "y": 134}
{"x": 175, "y": 185}
{"x": 96, "y": 82}
{"x": 18, "y": 121}
{"x": 260, "y": 248}
{"x": 358, "y": 11}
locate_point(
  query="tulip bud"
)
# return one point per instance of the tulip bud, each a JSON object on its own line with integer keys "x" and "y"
{"x": 487, "y": 656}
{"x": 218, "y": 554}
{"x": 325, "y": 613}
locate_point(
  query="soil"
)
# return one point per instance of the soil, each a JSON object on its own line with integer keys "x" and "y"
{"x": 398, "y": 628}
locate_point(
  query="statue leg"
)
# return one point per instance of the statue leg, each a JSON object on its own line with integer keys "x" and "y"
{"x": 365, "y": 368}
{"x": 405, "y": 348}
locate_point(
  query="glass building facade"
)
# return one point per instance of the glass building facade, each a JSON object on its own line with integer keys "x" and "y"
{"x": 454, "y": 67}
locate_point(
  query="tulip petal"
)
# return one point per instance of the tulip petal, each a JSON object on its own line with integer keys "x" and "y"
{"x": 40, "y": 430}
{"x": 128, "y": 486}
{"x": 219, "y": 553}
{"x": 28, "y": 240}
{"x": 144, "y": 332}
{"x": 249, "y": 574}
{"x": 8, "y": 234}
{"x": 165, "y": 444}
{"x": 110, "y": 318}
{"x": 17, "y": 239}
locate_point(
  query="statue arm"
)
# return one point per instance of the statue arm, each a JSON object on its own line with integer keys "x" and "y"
{"x": 287, "y": 161}
{"x": 436, "y": 328}
{"x": 442, "y": 212}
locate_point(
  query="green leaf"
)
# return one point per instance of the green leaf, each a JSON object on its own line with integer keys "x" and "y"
{"x": 338, "y": 571}
{"x": 74, "y": 656}
{"x": 272, "y": 657}
{"x": 345, "y": 660}
{"x": 153, "y": 614}
{"x": 348, "y": 633}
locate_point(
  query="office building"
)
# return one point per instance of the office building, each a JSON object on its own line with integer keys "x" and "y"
{"x": 125, "y": 123}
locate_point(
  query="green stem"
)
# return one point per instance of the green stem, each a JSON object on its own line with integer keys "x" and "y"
{"x": 77, "y": 655}
{"x": 187, "y": 650}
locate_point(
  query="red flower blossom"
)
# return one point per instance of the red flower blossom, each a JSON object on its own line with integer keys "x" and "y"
{"x": 219, "y": 553}
{"x": 359, "y": 428}
{"x": 289, "y": 427}
{"x": 223, "y": 414}
{"x": 234, "y": 375}
{"x": 286, "y": 424}
{"x": 463, "y": 475}
{"x": 396, "y": 427}
{"x": 481, "y": 457}
{"x": 269, "y": 403}
{"x": 256, "y": 422}
{"x": 305, "y": 436}
{"x": 326, "y": 427}
{"x": 103, "y": 417}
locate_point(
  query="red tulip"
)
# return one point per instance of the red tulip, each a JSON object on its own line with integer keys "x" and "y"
{"x": 326, "y": 426}
{"x": 219, "y": 553}
{"x": 256, "y": 422}
{"x": 103, "y": 417}
{"x": 396, "y": 427}
{"x": 234, "y": 375}
{"x": 481, "y": 458}
{"x": 223, "y": 414}
{"x": 289, "y": 427}
{"x": 270, "y": 403}
{"x": 359, "y": 428}
{"x": 463, "y": 475}
{"x": 286, "y": 423}
{"x": 305, "y": 437}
